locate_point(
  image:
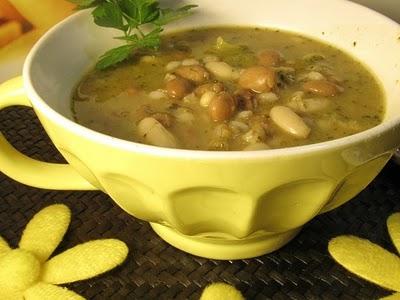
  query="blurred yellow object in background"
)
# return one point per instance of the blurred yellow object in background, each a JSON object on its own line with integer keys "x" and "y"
{"x": 20, "y": 46}
{"x": 9, "y": 32}
{"x": 43, "y": 13}
{"x": 8, "y": 12}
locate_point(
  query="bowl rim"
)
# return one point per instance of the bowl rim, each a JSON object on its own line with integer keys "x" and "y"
{"x": 98, "y": 137}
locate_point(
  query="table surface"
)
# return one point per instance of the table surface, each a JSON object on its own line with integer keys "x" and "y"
{"x": 302, "y": 269}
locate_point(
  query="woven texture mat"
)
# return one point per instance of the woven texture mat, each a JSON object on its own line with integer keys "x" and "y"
{"x": 302, "y": 269}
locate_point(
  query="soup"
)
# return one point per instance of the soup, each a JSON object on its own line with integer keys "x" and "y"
{"x": 229, "y": 88}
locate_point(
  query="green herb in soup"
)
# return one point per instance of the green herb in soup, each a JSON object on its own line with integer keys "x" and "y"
{"x": 133, "y": 18}
{"x": 231, "y": 88}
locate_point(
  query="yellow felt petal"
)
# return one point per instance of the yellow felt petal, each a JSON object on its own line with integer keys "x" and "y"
{"x": 46, "y": 291}
{"x": 221, "y": 291}
{"x": 19, "y": 269}
{"x": 393, "y": 224}
{"x": 45, "y": 231}
{"x": 10, "y": 295}
{"x": 84, "y": 261}
{"x": 395, "y": 296}
{"x": 4, "y": 248}
{"x": 367, "y": 260}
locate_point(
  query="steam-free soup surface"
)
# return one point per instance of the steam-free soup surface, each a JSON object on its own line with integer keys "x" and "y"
{"x": 231, "y": 89}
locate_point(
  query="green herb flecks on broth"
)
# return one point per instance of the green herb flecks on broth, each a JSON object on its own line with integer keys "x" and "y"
{"x": 230, "y": 88}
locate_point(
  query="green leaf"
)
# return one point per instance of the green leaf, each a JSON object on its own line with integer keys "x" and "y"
{"x": 130, "y": 38}
{"x": 169, "y": 15}
{"x": 129, "y": 16}
{"x": 108, "y": 15}
{"x": 114, "y": 56}
{"x": 148, "y": 11}
{"x": 140, "y": 12}
{"x": 150, "y": 40}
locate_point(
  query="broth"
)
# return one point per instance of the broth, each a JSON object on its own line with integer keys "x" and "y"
{"x": 230, "y": 88}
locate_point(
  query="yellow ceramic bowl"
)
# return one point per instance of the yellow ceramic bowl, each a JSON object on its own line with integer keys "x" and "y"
{"x": 212, "y": 204}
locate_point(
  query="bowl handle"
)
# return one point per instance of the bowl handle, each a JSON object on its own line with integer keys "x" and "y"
{"x": 25, "y": 169}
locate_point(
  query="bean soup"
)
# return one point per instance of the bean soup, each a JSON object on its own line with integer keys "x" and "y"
{"x": 229, "y": 88}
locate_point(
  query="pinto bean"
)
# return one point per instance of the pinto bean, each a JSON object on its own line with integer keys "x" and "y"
{"x": 215, "y": 87}
{"x": 289, "y": 121}
{"x": 221, "y": 107}
{"x": 195, "y": 73}
{"x": 178, "y": 88}
{"x": 259, "y": 79}
{"x": 269, "y": 58}
{"x": 321, "y": 88}
{"x": 245, "y": 100}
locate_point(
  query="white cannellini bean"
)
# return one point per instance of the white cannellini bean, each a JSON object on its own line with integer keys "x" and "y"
{"x": 190, "y": 98}
{"x": 210, "y": 58}
{"x": 313, "y": 75}
{"x": 239, "y": 125}
{"x": 245, "y": 114}
{"x": 289, "y": 121}
{"x": 313, "y": 105}
{"x": 157, "y": 94}
{"x": 206, "y": 98}
{"x": 154, "y": 133}
{"x": 253, "y": 136}
{"x": 222, "y": 131}
{"x": 183, "y": 115}
{"x": 256, "y": 146}
{"x": 190, "y": 62}
{"x": 169, "y": 77}
{"x": 267, "y": 97}
{"x": 172, "y": 65}
{"x": 148, "y": 59}
{"x": 220, "y": 69}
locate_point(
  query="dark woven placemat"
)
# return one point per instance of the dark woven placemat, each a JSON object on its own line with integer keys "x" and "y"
{"x": 156, "y": 270}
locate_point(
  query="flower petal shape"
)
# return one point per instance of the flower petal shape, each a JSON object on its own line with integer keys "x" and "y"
{"x": 10, "y": 295}
{"x": 46, "y": 291}
{"x": 19, "y": 269}
{"x": 4, "y": 248}
{"x": 395, "y": 296}
{"x": 367, "y": 260}
{"x": 393, "y": 224}
{"x": 45, "y": 231}
{"x": 84, "y": 261}
{"x": 221, "y": 291}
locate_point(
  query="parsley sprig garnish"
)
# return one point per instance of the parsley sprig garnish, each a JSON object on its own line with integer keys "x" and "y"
{"x": 133, "y": 18}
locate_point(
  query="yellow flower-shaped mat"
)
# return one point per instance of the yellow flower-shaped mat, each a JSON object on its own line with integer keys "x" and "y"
{"x": 28, "y": 273}
{"x": 370, "y": 261}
